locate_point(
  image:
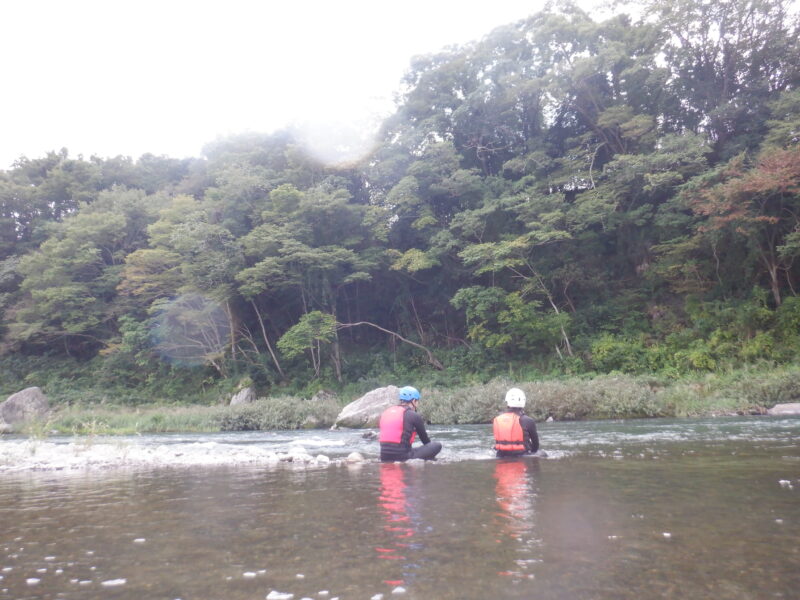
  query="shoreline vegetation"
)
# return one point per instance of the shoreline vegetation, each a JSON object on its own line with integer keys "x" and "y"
{"x": 558, "y": 206}
{"x": 746, "y": 391}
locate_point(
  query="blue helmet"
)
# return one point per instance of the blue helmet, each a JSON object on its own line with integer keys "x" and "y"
{"x": 408, "y": 394}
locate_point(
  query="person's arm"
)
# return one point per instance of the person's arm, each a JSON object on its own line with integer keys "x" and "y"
{"x": 529, "y": 426}
{"x": 419, "y": 427}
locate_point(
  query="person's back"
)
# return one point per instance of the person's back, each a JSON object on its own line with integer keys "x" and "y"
{"x": 515, "y": 432}
{"x": 399, "y": 425}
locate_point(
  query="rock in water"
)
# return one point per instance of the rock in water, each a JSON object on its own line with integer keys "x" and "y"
{"x": 791, "y": 408}
{"x": 30, "y": 403}
{"x": 355, "y": 457}
{"x": 366, "y": 411}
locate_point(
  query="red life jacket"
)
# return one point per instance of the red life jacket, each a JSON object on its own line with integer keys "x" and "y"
{"x": 391, "y": 425}
{"x": 508, "y": 434}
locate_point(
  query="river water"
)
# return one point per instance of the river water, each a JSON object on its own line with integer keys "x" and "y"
{"x": 689, "y": 509}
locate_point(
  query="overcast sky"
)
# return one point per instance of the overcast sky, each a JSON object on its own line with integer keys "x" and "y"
{"x": 117, "y": 77}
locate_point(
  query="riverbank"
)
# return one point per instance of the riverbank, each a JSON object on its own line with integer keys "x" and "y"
{"x": 746, "y": 391}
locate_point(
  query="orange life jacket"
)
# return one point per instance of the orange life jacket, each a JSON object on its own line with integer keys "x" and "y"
{"x": 391, "y": 425}
{"x": 508, "y": 434}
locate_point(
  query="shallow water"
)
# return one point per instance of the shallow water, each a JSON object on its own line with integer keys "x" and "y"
{"x": 637, "y": 509}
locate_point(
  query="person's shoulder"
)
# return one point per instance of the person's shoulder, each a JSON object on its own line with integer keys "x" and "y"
{"x": 414, "y": 416}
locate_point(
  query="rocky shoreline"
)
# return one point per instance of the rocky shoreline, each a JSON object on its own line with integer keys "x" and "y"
{"x": 77, "y": 456}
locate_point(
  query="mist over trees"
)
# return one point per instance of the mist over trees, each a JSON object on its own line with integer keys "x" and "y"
{"x": 565, "y": 195}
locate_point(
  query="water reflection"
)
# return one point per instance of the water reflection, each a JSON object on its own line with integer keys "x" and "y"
{"x": 515, "y": 492}
{"x": 400, "y": 521}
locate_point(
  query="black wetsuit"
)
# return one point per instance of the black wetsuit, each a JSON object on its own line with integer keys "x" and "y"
{"x": 412, "y": 422}
{"x": 529, "y": 435}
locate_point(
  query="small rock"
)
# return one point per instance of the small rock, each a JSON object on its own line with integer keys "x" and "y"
{"x": 275, "y": 595}
{"x": 355, "y": 457}
{"x": 113, "y": 582}
{"x": 245, "y": 396}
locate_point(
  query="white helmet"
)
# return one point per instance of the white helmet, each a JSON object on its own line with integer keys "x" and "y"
{"x": 515, "y": 398}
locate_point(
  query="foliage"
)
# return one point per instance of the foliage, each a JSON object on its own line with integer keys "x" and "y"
{"x": 567, "y": 196}
{"x": 279, "y": 413}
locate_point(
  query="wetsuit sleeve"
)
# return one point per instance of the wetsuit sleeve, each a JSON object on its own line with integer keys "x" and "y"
{"x": 529, "y": 427}
{"x": 415, "y": 420}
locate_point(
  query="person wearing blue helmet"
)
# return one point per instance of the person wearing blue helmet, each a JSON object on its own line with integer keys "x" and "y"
{"x": 400, "y": 424}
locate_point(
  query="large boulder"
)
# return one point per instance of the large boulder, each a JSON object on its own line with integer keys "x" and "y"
{"x": 792, "y": 408}
{"x": 245, "y": 396}
{"x": 366, "y": 411}
{"x": 30, "y": 403}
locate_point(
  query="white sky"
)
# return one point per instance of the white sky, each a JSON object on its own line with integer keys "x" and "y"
{"x": 117, "y": 77}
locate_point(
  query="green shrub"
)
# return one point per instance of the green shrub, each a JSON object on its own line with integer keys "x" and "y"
{"x": 610, "y": 353}
{"x": 284, "y": 412}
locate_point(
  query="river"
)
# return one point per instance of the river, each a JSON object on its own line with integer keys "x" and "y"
{"x": 685, "y": 509}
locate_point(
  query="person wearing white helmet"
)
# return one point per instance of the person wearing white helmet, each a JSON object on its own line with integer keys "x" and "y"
{"x": 514, "y": 431}
{"x": 400, "y": 424}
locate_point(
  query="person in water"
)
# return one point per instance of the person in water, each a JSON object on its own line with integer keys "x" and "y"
{"x": 399, "y": 425}
{"x": 514, "y": 431}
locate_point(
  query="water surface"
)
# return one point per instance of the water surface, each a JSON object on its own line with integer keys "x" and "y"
{"x": 636, "y": 509}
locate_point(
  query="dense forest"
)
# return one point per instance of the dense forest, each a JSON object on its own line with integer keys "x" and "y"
{"x": 563, "y": 196}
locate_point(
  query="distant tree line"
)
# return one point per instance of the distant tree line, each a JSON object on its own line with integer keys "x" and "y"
{"x": 565, "y": 194}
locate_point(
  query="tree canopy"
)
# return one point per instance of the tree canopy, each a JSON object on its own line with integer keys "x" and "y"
{"x": 566, "y": 193}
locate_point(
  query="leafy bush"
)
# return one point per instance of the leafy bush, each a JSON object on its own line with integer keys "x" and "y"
{"x": 284, "y": 412}
{"x": 615, "y": 354}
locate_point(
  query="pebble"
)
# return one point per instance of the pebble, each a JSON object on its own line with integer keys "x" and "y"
{"x": 114, "y": 582}
{"x": 248, "y": 574}
{"x": 785, "y": 483}
{"x": 276, "y": 595}
{"x": 32, "y": 581}
{"x": 666, "y": 534}
{"x": 139, "y": 541}
{"x": 399, "y": 590}
{"x": 355, "y": 457}
{"x": 300, "y": 576}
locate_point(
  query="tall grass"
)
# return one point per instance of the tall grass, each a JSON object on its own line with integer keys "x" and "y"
{"x": 749, "y": 390}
